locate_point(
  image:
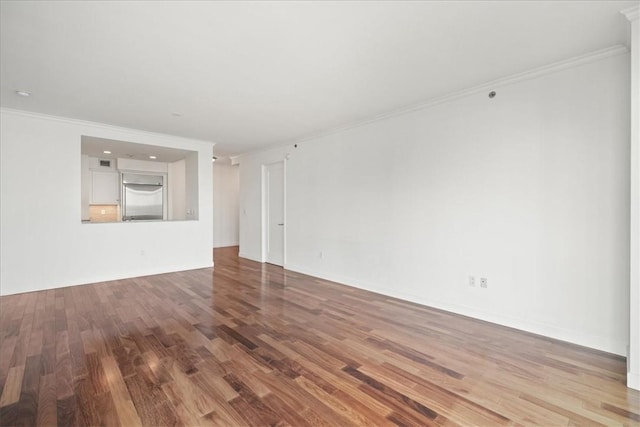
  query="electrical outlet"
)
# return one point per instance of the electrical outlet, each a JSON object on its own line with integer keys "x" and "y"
{"x": 483, "y": 282}
{"x": 472, "y": 281}
{"x": 103, "y": 211}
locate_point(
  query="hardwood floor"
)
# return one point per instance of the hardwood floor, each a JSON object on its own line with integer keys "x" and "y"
{"x": 251, "y": 344}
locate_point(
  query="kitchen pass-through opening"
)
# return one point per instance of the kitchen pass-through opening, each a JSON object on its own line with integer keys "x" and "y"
{"x": 130, "y": 182}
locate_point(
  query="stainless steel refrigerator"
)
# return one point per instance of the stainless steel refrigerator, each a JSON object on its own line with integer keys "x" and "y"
{"x": 142, "y": 197}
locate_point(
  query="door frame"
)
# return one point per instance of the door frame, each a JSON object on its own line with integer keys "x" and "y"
{"x": 265, "y": 208}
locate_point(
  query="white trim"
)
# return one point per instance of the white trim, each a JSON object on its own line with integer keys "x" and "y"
{"x": 575, "y": 61}
{"x": 284, "y": 210}
{"x": 263, "y": 213}
{"x": 602, "y": 343}
{"x": 226, "y": 245}
{"x": 103, "y": 126}
{"x": 632, "y": 13}
{"x": 142, "y": 272}
{"x": 249, "y": 257}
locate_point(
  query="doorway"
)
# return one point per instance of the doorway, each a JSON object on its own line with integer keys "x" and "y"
{"x": 273, "y": 208}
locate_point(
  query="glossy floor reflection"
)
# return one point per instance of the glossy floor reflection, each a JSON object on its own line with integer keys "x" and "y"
{"x": 250, "y": 344}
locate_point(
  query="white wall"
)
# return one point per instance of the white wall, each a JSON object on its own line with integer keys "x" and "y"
{"x": 43, "y": 243}
{"x": 192, "y": 179}
{"x": 134, "y": 165}
{"x": 529, "y": 189}
{"x": 250, "y": 201}
{"x": 85, "y": 187}
{"x": 226, "y": 182}
{"x": 633, "y": 360}
{"x": 177, "y": 190}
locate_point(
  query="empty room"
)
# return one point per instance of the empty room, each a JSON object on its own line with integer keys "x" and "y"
{"x": 320, "y": 213}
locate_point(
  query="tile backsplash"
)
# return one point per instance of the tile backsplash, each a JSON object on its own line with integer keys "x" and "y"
{"x": 104, "y": 213}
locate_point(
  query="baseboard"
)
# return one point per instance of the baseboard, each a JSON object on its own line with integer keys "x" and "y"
{"x": 571, "y": 336}
{"x": 110, "y": 277}
{"x": 225, "y": 245}
{"x": 250, "y": 257}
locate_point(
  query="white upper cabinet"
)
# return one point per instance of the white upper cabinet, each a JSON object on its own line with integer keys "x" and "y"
{"x": 105, "y": 188}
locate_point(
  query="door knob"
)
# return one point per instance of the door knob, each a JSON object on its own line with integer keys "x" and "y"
{"x": 281, "y": 224}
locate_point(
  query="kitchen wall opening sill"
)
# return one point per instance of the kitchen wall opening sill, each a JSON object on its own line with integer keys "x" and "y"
{"x": 86, "y": 221}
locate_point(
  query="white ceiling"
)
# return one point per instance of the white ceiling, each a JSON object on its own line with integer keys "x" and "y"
{"x": 96, "y": 147}
{"x": 252, "y": 74}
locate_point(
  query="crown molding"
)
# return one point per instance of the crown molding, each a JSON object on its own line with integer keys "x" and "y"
{"x": 103, "y": 126}
{"x": 575, "y": 61}
{"x": 632, "y": 13}
{"x": 501, "y": 82}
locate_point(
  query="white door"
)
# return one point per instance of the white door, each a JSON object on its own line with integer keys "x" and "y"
{"x": 274, "y": 177}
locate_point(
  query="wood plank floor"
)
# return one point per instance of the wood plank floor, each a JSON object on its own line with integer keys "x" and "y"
{"x": 251, "y": 344}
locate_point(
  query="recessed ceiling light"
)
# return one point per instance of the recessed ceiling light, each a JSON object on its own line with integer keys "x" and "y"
{"x": 176, "y": 114}
{"x": 107, "y": 152}
{"x": 152, "y": 157}
{"x": 23, "y": 93}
